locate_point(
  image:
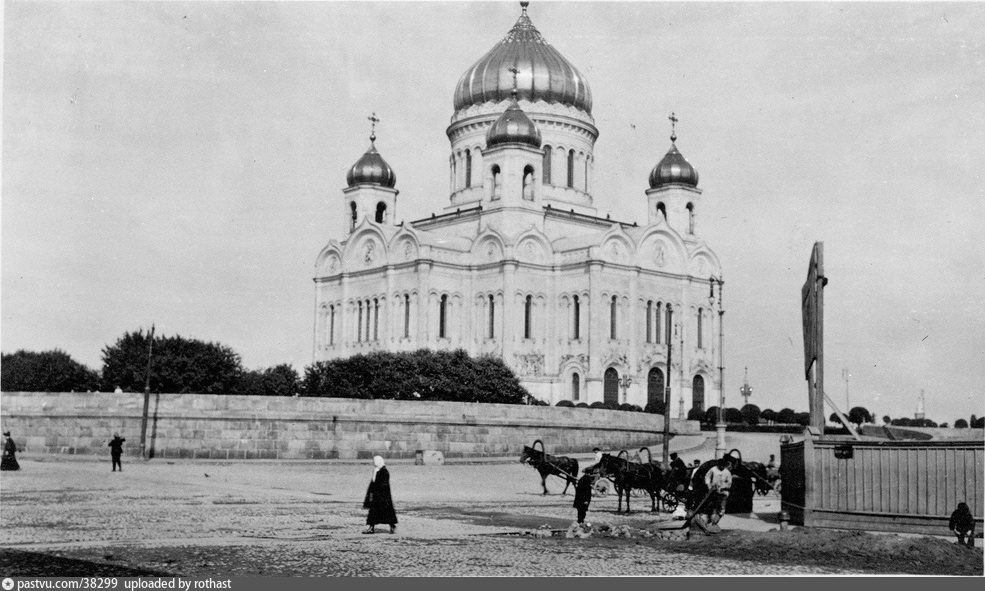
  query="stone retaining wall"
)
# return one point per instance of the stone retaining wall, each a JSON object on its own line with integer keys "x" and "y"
{"x": 266, "y": 427}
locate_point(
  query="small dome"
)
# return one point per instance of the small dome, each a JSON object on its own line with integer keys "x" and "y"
{"x": 513, "y": 127}
{"x": 546, "y": 74}
{"x": 371, "y": 169}
{"x": 673, "y": 169}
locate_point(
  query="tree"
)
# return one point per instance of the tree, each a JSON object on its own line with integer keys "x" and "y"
{"x": 834, "y": 418}
{"x": 732, "y": 416}
{"x": 178, "y": 365}
{"x": 943, "y": 425}
{"x": 786, "y": 416}
{"x": 768, "y": 415}
{"x": 566, "y": 403}
{"x": 417, "y": 375}
{"x": 803, "y": 418}
{"x": 750, "y": 414}
{"x": 859, "y": 415}
{"x": 902, "y": 422}
{"x": 960, "y": 424}
{"x": 47, "y": 371}
{"x": 695, "y": 414}
{"x": 711, "y": 415}
{"x": 886, "y": 420}
{"x": 280, "y": 380}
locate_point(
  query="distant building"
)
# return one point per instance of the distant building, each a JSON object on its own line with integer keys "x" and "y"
{"x": 520, "y": 265}
{"x": 920, "y": 407}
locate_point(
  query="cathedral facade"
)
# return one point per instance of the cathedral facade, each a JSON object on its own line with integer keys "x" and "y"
{"x": 519, "y": 264}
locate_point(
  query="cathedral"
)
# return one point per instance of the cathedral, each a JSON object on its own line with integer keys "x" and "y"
{"x": 519, "y": 264}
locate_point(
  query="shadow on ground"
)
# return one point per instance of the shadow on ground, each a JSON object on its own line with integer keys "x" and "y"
{"x": 21, "y": 563}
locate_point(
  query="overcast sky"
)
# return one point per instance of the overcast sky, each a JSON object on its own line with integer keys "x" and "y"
{"x": 182, "y": 164}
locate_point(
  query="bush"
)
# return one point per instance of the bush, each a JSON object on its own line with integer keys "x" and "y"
{"x": 960, "y": 424}
{"x": 417, "y": 375}
{"x": 768, "y": 415}
{"x": 732, "y": 415}
{"x": 695, "y": 414}
{"x": 655, "y": 407}
{"x": 803, "y": 418}
{"x": 47, "y": 371}
{"x": 597, "y": 404}
{"x": 566, "y": 403}
{"x": 630, "y": 407}
{"x": 711, "y": 415}
{"x": 786, "y": 416}
{"x": 750, "y": 414}
{"x": 859, "y": 415}
{"x": 581, "y": 405}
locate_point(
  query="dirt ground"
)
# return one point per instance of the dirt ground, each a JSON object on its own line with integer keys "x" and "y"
{"x": 73, "y": 517}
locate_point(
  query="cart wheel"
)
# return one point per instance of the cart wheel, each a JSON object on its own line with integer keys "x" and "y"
{"x": 670, "y": 501}
{"x": 776, "y": 487}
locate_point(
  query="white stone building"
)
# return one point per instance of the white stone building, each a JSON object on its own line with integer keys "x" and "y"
{"x": 519, "y": 265}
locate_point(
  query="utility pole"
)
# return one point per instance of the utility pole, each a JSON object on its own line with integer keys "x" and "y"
{"x": 845, "y": 374}
{"x": 667, "y": 398}
{"x": 720, "y": 427}
{"x": 143, "y": 419}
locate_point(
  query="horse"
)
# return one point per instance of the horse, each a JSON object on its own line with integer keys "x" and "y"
{"x": 760, "y": 477}
{"x": 627, "y": 475}
{"x": 548, "y": 465}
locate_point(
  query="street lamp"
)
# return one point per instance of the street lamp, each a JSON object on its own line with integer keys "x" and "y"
{"x": 625, "y": 382}
{"x": 720, "y": 427}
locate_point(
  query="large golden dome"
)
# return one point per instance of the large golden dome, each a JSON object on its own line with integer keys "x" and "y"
{"x": 544, "y": 73}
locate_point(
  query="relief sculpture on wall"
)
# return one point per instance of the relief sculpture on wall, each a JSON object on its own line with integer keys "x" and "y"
{"x": 530, "y": 365}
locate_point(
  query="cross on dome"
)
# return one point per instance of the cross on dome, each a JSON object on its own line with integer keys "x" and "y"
{"x": 673, "y": 127}
{"x": 372, "y": 133}
{"x": 515, "y": 72}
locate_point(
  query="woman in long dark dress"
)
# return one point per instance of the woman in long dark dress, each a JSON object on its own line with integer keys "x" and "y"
{"x": 378, "y": 499}
{"x": 9, "y": 460}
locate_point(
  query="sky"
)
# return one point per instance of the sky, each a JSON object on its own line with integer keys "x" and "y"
{"x": 182, "y": 164}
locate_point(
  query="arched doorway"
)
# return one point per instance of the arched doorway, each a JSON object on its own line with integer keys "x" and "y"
{"x": 698, "y": 392}
{"x": 654, "y": 386}
{"x": 610, "y": 387}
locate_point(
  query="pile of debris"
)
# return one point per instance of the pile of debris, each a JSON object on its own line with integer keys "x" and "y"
{"x": 658, "y": 530}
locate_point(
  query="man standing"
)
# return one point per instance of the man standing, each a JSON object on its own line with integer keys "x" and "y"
{"x": 719, "y": 482}
{"x": 116, "y": 450}
{"x": 583, "y": 495}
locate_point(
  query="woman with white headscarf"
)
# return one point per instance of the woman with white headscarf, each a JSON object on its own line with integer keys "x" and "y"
{"x": 378, "y": 499}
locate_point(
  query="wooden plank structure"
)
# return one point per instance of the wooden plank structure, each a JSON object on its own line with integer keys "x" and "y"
{"x": 879, "y": 485}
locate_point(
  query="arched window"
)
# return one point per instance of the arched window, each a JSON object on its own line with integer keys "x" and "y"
{"x": 690, "y": 218}
{"x": 528, "y": 305}
{"x": 331, "y": 325}
{"x": 380, "y": 212}
{"x": 468, "y": 169}
{"x": 575, "y": 386}
{"x": 376, "y": 320}
{"x": 700, "y": 340}
{"x": 352, "y": 207}
{"x": 649, "y": 321}
{"x": 546, "y": 175}
{"x": 528, "y": 183}
{"x": 610, "y": 385}
{"x": 492, "y": 316}
{"x": 655, "y": 386}
{"x": 571, "y": 168}
{"x": 656, "y": 323}
{"x": 368, "y": 320}
{"x": 586, "y": 174}
{"x": 576, "y": 324}
{"x": 662, "y": 209}
{"x": 612, "y": 317}
{"x": 442, "y": 312}
{"x": 497, "y": 183}
{"x": 406, "y": 316}
{"x": 698, "y": 392}
{"x": 359, "y": 325}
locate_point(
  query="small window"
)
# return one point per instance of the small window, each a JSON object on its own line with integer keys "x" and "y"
{"x": 406, "y": 316}
{"x": 380, "y": 212}
{"x": 649, "y": 321}
{"x": 468, "y": 169}
{"x": 575, "y": 386}
{"x": 442, "y": 316}
{"x": 527, "y": 316}
{"x": 497, "y": 180}
{"x": 528, "y": 183}
{"x": 331, "y": 325}
{"x": 690, "y": 218}
{"x": 359, "y": 325}
{"x": 571, "y": 168}
{"x": 354, "y": 215}
{"x": 656, "y": 322}
{"x": 376, "y": 320}
{"x": 612, "y": 317}
{"x": 662, "y": 209}
{"x": 577, "y": 319}
{"x": 492, "y": 316}
{"x": 546, "y": 175}
{"x": 700, "y": 329}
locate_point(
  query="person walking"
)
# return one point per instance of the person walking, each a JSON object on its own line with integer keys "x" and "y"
{"x": 719, "y": 483}
{"x": 116, "y": 450}
{"x": 9, "y": 459}
{"x": 962, "y": 523}
{"x": 583, "y": 495}
{"x": 378, "y": 499}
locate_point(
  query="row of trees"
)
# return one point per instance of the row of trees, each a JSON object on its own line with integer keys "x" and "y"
{"x": 182, "y": 365}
